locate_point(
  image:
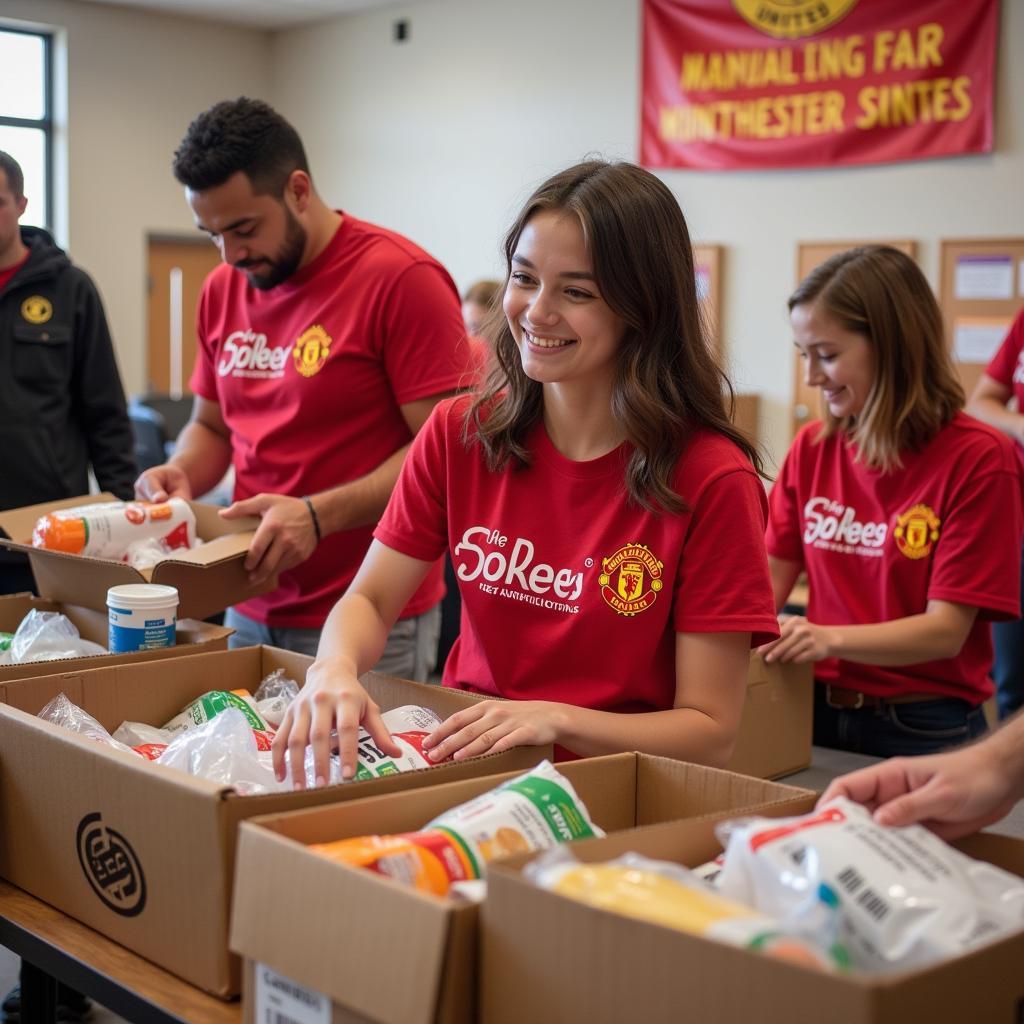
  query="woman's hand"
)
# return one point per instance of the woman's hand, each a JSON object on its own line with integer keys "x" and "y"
{"x": 492, "y": 726}
{"x": 332, "y": 697}
{"x": 801, "y": 641}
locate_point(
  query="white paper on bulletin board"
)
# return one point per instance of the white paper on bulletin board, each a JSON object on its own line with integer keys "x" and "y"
{"x": 976, "y": 339}
{"x": 983, "y": 277}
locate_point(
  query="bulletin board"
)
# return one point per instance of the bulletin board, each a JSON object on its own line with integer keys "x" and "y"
{"x": 707, "y": 263}
{"x": 981, "y": 291}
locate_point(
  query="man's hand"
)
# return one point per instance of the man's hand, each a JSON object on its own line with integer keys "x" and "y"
{"x": 285, "y": 538}
{"x": 163, "y": 482}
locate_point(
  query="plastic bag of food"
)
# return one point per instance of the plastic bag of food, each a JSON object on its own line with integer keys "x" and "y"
{"x": 136, "y": 733}
{"x": 204, "y": 708}
{"x": 63, "y": 712}
{"x": 108, "y": 529}
{"x": 672, "y": 896}
{"x": 533, "y": 811}
{"x": 222, "y": 750}
{"x": 47, "y": 636}
{"x": 904, "y": 897}
{"x": 273, "y": 695}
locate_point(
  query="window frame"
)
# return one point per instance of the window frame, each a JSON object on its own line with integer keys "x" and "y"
{"x": 45, "y": 123}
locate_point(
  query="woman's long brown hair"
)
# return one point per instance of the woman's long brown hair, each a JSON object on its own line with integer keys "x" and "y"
{"x": 880, "y": 293}
{"x": 668, "y": 384}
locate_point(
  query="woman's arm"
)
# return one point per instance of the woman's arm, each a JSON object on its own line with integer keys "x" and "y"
{"x": 784, "y": 575}
{"x": 939, "y": 632}
{"x": 988, "y": 403}
{"x": 711, "y": 673}
{"x": 351, "y": 643}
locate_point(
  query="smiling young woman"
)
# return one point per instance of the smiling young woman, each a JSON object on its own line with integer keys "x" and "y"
{"x": 604, "y": 518}
{"x": 904, "y": 511}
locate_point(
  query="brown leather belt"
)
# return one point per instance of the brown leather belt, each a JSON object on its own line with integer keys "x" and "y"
{"x": 839, "y": 697}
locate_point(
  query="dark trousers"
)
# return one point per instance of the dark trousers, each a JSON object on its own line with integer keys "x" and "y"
{"x": 16, "y": 577}
{"x": 1008, "y": 667}
{"x": 897, "y": 730}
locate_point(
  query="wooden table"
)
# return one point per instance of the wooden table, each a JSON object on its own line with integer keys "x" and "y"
{"x": 55, "y": 947}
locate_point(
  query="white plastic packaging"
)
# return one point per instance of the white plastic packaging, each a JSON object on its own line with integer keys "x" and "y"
{"x": 47, "y": 636}
{"x": 904, "y": 898}
{"x": 142, "y": 617}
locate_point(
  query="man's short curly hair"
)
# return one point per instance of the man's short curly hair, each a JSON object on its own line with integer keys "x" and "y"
{"x": 239, "y": 135}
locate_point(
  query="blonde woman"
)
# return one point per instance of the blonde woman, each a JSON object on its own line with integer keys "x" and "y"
{"x": 905, "y": 512}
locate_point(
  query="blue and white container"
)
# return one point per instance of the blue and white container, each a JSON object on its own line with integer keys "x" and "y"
{"x": 143, "y": 617}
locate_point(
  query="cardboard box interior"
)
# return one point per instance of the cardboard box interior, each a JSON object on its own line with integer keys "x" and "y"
{"x": 546, "y": 957}
{"x": 191, "y": 636}
{"x": 208, "y": 578}
{"x": 143, "y": 853}
{"x": 396, "y": 955}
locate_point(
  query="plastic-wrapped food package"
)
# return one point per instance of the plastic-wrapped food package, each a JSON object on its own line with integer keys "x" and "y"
{"x": 209, "y": 705}
{"x": 672, "y": 896}
{"x": 273, "y": 695}
{"x": 903, "y": 897}
{"x": 47, "y": 636}
{"x": 534, "y": 811}
{"x": 222, "y": 750}
{"x": 109, "y": 529}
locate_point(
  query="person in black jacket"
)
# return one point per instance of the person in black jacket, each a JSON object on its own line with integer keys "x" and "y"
{"x": 62, "y": 406}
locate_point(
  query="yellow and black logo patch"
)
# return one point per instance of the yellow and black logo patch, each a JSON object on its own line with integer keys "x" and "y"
{"x": 916, "y": 531}
{"x": 36, "y": 309}
{"x": 311, "y": 350}
{"x": 630, "y": 580}
{"x": 792, "y": 19}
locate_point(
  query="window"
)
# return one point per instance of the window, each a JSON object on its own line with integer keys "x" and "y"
{"x": 26, "y": 115}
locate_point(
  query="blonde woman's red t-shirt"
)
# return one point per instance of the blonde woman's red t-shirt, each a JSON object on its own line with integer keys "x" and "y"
{"x": 879, "y": 546}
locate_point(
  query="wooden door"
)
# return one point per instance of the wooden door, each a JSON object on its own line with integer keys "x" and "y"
{"x": 806, "y": 399}
{"x": 176, "y": 269}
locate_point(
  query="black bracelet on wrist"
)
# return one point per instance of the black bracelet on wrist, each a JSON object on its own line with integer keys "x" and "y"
{"x": 312, "y": 513}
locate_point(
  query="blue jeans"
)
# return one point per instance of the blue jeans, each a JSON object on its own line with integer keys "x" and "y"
{"x": 1008, "y": 666}
{"x": 410, "y": 653}
{"x": 897, "y": 730}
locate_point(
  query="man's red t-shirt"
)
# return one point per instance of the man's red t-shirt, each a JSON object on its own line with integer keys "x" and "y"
{"x": 310, "y": 377}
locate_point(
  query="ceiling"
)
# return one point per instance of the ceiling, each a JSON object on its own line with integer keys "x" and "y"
{"x": 265, "y": 14}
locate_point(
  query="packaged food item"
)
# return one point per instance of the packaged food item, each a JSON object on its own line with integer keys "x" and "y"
{"x": 48, "y": 636}
{"x": 5, "y": 641}
{"x": 533, "y": 811}
{"x": 212, "y": 703}
{"x": 669, "y": 895}
{"x": 409, "y": 726}
{"x": 903, "y": 897}
{"x": 275, "y": 692}
{"x": 107, "y": 529}
{"x": 141, "y": 617}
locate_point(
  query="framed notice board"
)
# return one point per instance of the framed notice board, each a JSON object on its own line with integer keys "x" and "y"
{"x": 707, "y": 264}
{"x": 807, "y": 400}
{"x": 981, "y": 291}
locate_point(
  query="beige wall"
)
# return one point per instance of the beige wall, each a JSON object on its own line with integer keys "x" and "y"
{"x": 135, "y": 80}
{"x": 442, "y": 136}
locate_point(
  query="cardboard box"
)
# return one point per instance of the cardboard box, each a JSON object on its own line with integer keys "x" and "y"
{"x": 778, "y": 720}
{"x": 209, "y": 578}
{"x": 145, "y": 854}
{"x": 379, "y": 950}
{"x": 549, "y": 958}
{"x": 192, "y": 637}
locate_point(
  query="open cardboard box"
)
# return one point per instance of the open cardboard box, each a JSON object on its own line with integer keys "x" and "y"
{"x": 778, "y": 720}
{"x": 191, "y": 637}
{"x": 549, "y": 958}
{"x": 208, "y": 578}
{"x": 378, "y": 950}
{"x": 145, "y": 854}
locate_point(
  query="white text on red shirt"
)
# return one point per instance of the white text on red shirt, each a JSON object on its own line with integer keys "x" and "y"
{"x": 833, "y": 525}
{"x": 249, "y": 352}
{"x": 513, "y": 568}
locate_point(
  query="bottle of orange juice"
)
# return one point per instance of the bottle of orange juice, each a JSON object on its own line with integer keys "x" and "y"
{"x": 106, "y": 529}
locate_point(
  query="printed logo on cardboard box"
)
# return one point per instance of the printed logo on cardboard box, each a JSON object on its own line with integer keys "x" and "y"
{"x": 111, "y": 866}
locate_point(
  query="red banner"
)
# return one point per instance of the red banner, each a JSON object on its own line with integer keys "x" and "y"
{"x": 752, "y": 84}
